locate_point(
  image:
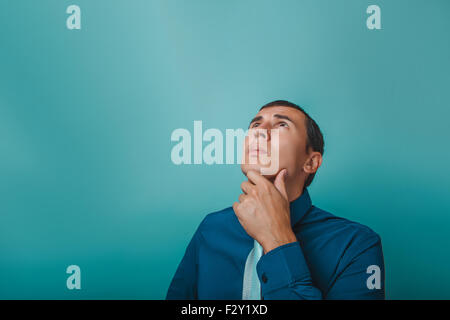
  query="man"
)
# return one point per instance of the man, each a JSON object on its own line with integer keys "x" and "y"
{"x": 273, "y": 243}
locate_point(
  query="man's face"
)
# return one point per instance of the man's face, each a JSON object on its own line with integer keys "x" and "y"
{"x": 291, "y": 144}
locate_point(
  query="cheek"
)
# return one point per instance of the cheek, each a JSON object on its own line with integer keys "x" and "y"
{"x": 289, "y": 150}
{"x": 245, "y": 147}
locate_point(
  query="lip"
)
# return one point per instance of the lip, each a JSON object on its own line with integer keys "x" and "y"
{"x": 256, "y": 151}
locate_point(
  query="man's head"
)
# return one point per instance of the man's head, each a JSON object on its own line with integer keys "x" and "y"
{"x": 300, "y": 143}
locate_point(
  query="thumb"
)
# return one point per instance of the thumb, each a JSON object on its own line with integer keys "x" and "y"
{"x": 280, "y": 183}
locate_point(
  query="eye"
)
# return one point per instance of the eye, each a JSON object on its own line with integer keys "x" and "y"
{"x": 283, "y": 124}
{"x": 255, "y": 124}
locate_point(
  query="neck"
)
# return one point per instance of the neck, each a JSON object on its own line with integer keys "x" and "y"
{"x": 294, "y": 190}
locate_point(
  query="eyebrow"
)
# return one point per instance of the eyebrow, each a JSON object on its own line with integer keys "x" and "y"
{"x": 255, "y": 119}
{"x": 279, "y": 116}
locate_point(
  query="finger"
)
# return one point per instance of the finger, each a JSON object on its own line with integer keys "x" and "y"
{"x": 256, "y": 177}
{"x": 242, "y": 197}
{"x": 280, "y": 183}
{"x": 235, "y": 207}
{"x": 247, "y": 187}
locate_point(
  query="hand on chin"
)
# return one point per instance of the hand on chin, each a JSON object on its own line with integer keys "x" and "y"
{"x": 256, "y": 167}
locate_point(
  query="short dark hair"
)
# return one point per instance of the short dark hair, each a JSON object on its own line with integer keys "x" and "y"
{"x": 314, "y": 135}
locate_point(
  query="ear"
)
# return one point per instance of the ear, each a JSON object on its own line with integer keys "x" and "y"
{"x": 313, "y": 162}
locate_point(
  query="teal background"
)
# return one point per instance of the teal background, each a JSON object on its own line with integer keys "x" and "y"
{"x": 86, "y": 118}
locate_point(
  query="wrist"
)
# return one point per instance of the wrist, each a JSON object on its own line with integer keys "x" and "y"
{"x": 275, "y": 242}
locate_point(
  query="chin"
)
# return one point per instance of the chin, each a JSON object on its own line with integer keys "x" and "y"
{"x": 255, "y": 167}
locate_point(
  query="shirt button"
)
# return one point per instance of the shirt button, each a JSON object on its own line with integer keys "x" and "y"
{"x": 264, "y": 278}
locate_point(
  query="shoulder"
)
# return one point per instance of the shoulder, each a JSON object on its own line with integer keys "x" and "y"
{"x": 342, "y": 239}
{"x": 355, "y": 233}
{"x": 219, "y": 220}
{"x": 221, "y": 226}
{"x": 217, "y": 217}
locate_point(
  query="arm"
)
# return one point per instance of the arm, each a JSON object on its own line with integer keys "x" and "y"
{"x": 356, "y": 280}
{"x": 184, "y": 282}
{"x": 284, "y": 275}
{"x": 263, "y": 211}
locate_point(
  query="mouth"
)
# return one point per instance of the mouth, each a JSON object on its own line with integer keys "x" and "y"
{"x": 255, "y": 151}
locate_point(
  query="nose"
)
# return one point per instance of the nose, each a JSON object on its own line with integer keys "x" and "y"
{"x": 262, "y": 132}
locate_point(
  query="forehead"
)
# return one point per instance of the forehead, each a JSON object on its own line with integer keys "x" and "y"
{"x": 295, "y": 115}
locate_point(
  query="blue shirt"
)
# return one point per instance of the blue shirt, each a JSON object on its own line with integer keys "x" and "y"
{"x": 334, "y": 258}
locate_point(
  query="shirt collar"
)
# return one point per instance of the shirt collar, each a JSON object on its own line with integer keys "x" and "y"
{"x": 299, "y": 207}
